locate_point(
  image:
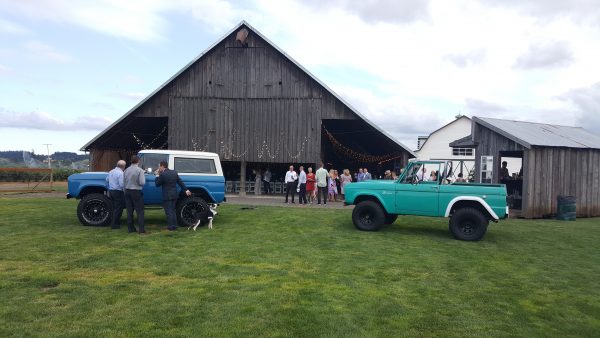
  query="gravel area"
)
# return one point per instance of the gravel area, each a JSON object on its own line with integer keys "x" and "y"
{"x": 279, "y": 201}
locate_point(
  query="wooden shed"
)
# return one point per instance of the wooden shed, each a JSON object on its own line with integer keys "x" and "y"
{"x": 555, "y": 161}
{"x": 248, "y": 101}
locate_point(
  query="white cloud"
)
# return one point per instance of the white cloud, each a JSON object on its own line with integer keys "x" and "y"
{"x": 10, "y": 27}
{"x": 41, "y": 51}
{"x": 45, "y": 121}
{"x": 545, "y": 55}
{"x": 586, "y": 101}
{"x": 4, "y": 70}
{"x": 376, "y": 11}
{"x": 140, "y": 20}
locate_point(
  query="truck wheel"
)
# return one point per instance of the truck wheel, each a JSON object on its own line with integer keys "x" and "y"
{"x": 390, "y": 219}
{"x": 468, "y": 224}
{"x": 368, "y": 216}
{"x": 190, "y": 210}
{"x": 95, "y": 210}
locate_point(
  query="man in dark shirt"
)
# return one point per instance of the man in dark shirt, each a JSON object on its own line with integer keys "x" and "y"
{"x": 503, "y": 174}
{"x": 168, "y": 179}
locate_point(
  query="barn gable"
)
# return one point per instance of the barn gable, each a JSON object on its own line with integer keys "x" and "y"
{"x": 246, "y": 100}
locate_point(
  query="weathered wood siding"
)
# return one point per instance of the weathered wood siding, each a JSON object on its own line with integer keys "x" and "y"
{"x": 548, "y": 172}
{"x": 562, "y": 171}
{"x": 246, "y": 103}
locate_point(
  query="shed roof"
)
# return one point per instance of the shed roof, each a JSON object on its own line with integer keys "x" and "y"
{"x": 530, "y": 134}
{"x": 243, "y": 23}
{"x": 463, "y": 142}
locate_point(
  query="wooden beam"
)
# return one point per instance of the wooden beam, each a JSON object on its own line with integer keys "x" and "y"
{"x": 243, "y": 178}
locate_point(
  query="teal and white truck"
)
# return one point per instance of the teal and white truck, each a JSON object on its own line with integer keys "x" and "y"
{"x": 469, "y": 206}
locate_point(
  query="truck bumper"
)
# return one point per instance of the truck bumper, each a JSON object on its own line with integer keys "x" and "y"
{"x": 69, "y": 196}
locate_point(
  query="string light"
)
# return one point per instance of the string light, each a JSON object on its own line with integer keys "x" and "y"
{"x": 350, "y": 153}
{"x": 265, "y": 147}
{"x": 295, "y": 157}
{"x": 143, "y": 145}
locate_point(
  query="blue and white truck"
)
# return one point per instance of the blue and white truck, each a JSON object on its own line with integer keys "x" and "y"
{"x": 200, "y": 171}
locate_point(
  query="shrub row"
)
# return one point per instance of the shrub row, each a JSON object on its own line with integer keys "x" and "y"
{"x": 21, "y": 176}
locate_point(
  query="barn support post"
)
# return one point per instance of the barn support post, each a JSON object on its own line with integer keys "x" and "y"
{"x": 243, "y": 178}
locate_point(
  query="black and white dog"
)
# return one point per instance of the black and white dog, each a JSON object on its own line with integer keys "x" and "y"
{"x": 212, "y": 212}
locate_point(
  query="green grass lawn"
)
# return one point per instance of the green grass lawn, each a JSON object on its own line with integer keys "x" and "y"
{"x": 274, "y": 271}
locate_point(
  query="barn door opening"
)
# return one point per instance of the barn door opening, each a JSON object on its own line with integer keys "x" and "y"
{"x": 510, "y": 173}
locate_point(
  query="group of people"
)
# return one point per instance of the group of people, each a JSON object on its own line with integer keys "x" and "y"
{"x": 125, "y": 190}
{"x": 322, "y": 185}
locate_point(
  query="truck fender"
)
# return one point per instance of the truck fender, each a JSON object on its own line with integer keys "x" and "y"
{"x": 470, "y": 198}
{"x": 376, "y": 198}
{"x": 90, "y": 189}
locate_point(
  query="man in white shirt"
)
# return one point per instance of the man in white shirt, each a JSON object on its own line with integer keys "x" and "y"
{"x": 421, "y": 175}
{"x": 301, "y": 186}
{"x": 290, "y": 180}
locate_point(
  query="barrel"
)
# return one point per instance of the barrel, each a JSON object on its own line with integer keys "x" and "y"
{"x": 567, "y": 208}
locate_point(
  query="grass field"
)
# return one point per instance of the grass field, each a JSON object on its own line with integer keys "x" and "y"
{"x": 275, "y": 271}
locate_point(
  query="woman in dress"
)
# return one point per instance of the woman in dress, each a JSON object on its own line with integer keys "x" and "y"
{"x": 310, "y": 185}
{"x": 345, "y": 179}
{"x": 257, "y": 182}
{"x": 331, "y": 186}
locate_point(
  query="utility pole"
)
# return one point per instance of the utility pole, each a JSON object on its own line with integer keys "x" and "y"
{"x": 49, "y": 163}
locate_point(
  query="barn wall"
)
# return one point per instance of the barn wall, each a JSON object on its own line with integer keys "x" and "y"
{"x": 562, "y": 171}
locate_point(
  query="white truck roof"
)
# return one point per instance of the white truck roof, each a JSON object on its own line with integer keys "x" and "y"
{"x": 178, "y": 152}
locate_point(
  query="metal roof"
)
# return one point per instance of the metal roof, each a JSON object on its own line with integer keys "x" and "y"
{"x": 463, "y": 142}
{"x": 530, "y": 134}
{"x": 244, "y": 23}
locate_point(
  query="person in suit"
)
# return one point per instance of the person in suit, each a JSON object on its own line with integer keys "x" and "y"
{"x": 168, "y": 179}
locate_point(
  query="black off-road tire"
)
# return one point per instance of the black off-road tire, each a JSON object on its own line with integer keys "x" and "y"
{"x": 368, "y": 216}
{"x": 468, "y": 224}
{"x": 95, "y": 210}
{"x": 190, "y": 210}
{"x": 390, "y": 219}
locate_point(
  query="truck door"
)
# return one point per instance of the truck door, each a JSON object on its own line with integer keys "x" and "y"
{"x": 417, "y": 196}
{"x": 150, "y": 161}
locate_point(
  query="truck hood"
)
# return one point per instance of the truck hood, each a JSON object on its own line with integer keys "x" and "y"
{"x": 371, "y": 184}
{"x": 92, "y": 175}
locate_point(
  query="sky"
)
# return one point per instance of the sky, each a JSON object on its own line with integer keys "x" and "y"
{"x": 70, "y": 68}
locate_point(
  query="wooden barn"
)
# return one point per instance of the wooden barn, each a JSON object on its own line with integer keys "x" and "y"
{"x": 555, "y": 161}
{"x": 248, "y": 101}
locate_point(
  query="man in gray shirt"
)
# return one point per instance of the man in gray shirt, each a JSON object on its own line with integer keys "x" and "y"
{"x": 134, "y": 181}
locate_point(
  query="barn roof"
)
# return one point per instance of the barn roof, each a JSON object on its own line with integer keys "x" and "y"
{"x": 238, "y": 26}
{"x": 530, "y": 134}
